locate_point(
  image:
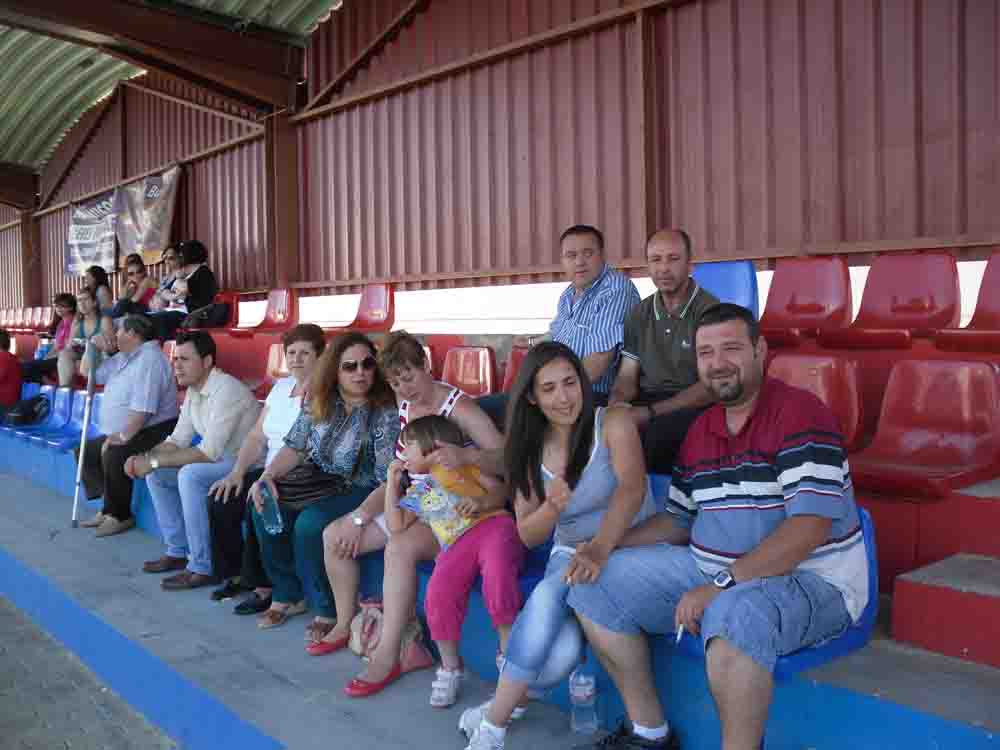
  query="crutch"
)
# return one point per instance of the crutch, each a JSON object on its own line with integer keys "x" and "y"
{"x": 92, "y": 356}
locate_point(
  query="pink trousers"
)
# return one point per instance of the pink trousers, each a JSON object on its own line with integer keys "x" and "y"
{"x": 491, "y": 549}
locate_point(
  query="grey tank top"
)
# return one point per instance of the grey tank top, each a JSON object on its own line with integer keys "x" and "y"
{"x": 589, "y": 502}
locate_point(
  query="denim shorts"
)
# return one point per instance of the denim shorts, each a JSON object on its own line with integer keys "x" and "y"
{"x": 765, "y": 618}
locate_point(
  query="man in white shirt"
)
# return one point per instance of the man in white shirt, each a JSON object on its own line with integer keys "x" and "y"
{"x": 220, "y": 409}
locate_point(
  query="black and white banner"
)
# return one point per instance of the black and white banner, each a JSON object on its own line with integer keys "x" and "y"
{"x": 91, "y": 240}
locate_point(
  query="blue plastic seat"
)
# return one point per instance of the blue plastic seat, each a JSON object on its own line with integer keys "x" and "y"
{"x": 62, "y": 405}
{"x": 854, "y": 638}
{"x": 30, "y": 389}
{"x": 730, "y": 281}
{"x": 68, "y": 438}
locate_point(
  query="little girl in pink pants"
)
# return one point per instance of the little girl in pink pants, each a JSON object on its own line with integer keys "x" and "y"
{"x": 478, "y": 537}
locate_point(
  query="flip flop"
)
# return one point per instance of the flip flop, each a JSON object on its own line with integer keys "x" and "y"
{"x": 273, "y": 618}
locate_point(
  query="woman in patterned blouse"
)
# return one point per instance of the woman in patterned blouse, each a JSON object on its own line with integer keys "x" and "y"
{"x": 337, "y": 452}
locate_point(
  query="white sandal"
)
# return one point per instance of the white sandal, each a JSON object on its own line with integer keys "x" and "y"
{"x": 444, "y": 689}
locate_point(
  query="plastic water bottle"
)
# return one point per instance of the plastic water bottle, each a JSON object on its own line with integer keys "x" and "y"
{"x": 271, "y": 514}
{"x": 583, "y": 702}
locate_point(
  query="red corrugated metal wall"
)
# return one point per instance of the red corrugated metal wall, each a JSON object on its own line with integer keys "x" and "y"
{"x": 223, "y": 205}
{"x": 221, "y": 200}
{"x": 478, "y": 172}
{"x": 768, "y": 127}
{"x": 100, "y": 163}
{"x": 448, "y": 30}
{"x": 11, "y": 293}
{"x": 8, "y": 214}
{"x": 159, "y": 131}
{"x": 53, "y": 228}
{"x": 782, "y": 124}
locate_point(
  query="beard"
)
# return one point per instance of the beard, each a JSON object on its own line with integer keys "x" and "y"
{"x": 727, "y": 392}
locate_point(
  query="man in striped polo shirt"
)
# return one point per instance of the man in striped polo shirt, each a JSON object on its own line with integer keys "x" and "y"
{"x": 590, "y": 317}
{"x": 764, "y": 552}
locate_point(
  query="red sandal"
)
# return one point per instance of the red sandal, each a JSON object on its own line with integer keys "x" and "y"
{"x": 358, "y": 688}
{"x": 322, "y": 648}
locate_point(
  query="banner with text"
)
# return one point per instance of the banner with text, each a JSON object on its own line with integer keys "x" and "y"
{"x": 145, "y": 210}
{"x": 91, "y": 240}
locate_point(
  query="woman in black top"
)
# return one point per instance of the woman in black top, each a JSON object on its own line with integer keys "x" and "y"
{"x": 194, "y": 288}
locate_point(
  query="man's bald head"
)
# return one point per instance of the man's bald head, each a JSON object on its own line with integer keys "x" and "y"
{"x": 670, "y": 239}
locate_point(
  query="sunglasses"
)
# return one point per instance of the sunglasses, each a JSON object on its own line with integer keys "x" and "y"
{"x": 350, "y": 365}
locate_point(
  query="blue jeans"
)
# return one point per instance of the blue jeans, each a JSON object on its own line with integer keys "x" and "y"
{"x": 536, "y": 640}
{"x": 180, "y": 499}
{"x": 293, "y": 559}
{"x": 765, "y": 618}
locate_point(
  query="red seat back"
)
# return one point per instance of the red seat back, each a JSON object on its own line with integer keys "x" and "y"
{"x": 983, "y": 332}
{"x": 471, "y": 368}
{"x": 939, "y": 428}
{"x": 277, "y": 365}
{"x": 233, "y": 300}
{"x": 916, "y": 291}
{"x": 34, "y": 318}
{"x": 833, "y": 380}
{"x": 376, "y": 309}
{"x": 428, "y": 359}
{"x": 811, "y": 293}
{"x": 517, "y": 355}
{"x": 44, "y": 319}
{"x": 282, "y": 310}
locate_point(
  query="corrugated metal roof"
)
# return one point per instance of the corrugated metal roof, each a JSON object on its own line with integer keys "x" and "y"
{"x": 46, "y": 85}
{"x": 292, "y": 16}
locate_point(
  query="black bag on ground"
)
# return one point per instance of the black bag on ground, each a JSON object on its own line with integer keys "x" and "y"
{"x": 209, "y": 316}
{"x": 28, "y": 411}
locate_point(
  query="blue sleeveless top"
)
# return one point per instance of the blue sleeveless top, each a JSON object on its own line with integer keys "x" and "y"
{"x": 589, "y": 502}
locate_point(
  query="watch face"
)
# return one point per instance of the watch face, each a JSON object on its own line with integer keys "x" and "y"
{"x": 723, "y": 579}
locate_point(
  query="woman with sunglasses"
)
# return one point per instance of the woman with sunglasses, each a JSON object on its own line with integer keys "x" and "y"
{"x": 405, "y": 365}
{"x": 139, "y": 289}
{"x": 337, "y": 452}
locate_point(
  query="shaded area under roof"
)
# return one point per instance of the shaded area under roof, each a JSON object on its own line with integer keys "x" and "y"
{"x": 46, "y": 85}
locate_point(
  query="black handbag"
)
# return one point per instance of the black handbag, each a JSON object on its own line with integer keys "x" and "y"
{"x": 32, "y": 410}
{"x": 307, "y": 483}
{"x": 209, "y": 316}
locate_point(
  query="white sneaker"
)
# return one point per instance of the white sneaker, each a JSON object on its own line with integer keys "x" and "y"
{"x": 471, "y": 718}
{"x": 481, "y": 739}
{"x": 444, "y": 689}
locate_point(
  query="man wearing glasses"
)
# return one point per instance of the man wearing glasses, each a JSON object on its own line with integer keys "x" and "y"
{"x": 223, "y": 411}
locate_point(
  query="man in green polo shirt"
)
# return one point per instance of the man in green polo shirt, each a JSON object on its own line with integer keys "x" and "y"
{"x": 658, "y": 374}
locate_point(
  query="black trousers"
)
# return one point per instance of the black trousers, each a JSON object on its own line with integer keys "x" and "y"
{"x": 37, "y": 369}
{"x": 232, "y": 553}
{"x": 104, "y": 474}
{"x": 662, "y": 438}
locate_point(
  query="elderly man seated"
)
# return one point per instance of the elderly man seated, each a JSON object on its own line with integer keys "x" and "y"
{"x": 138, "y": 411}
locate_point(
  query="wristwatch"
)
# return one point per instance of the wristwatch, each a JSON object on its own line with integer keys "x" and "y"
{"x": 122, "y": 437}
{"x": 358, "y": 520}
{"x": 724, "y": 579}
{"x": 154, "y": 463}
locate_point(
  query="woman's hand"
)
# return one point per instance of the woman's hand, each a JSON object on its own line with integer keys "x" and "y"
{"x": 587, "y": 564}
{"x": 557, "y": 493}
{"x": 469, "y": 507}
{"x": 346, "y": 538}
{"x": 255, "y": 491}
{"x": 448, "y": 455}
{"x": 229, "y": 486}
{"x": 394, "y": 474}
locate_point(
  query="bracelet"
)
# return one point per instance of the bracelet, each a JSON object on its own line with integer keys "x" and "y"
{"x": 121, "y": 436}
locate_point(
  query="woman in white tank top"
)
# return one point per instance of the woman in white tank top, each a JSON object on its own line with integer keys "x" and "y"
{"x": 405, "y": 367}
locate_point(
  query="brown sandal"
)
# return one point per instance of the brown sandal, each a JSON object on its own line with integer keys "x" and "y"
{"x": 317, "y": 630}
{"x": 272, "y": 618}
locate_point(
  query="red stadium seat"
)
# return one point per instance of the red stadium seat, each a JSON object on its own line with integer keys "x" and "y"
{"x": 833, "y": 380}
{"x": 939, "y": 430}
{"x": 277, "y": 366}
{"x": 45, "y": 319}
{"x": 428, "y": 359}
{"x": 983, "y": 332}
{"x": 376, "y": 311}
{"x": 34, "y": 322}
{"x": 517, "y": 354}
{"x": 807, "y": 295}
{"x": 906, "y": 294}
{"x": 471, "y": 368}
{"x": 282, "y": 311}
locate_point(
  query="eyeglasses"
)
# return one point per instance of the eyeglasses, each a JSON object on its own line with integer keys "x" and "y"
{"x": 350, "y": 365}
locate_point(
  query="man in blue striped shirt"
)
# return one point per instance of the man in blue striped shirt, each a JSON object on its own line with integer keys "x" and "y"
{"x": 590, "y": 317}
